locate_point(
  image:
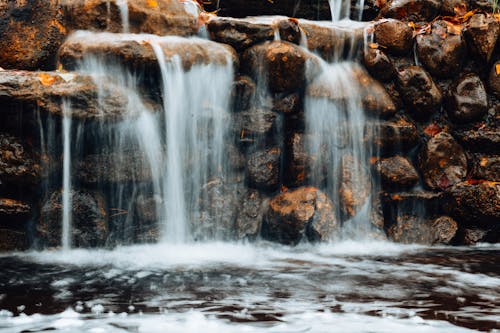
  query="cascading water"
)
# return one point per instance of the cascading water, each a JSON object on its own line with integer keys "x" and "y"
{"x": 341, "y": 9}
{"x": 66, "y": 190}
{"x": 123, "y": 7}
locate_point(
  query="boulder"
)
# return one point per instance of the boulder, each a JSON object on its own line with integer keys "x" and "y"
{"x": 454, "y": 7}
{"x": 89, "y": 226}
{"x": 494, "y": 79}
{"x": 298, "y": 161}
{"x": 242, "y": 93}
{"x": 467, "y": 99}
{"x": 376, "y": 100}
{"x": 263, "y": 169}
{"x": 443, "y": 162}
{"x": 418, "y": 91}
{"x": 239, "y": 33}
{"x": 355, "y": 186}
{"x": 12, "y": 240}
{"x": 474, "y": 204}
{"x": 254, "y": 125}
{"x": 18, "y": 165}
{"x": 283, "y": 64}
{"x": 417, "y": 203}
{"x": 412, "y": 229}
{"x": 159, "y": 17}
{"x": 412, "y": 10}
{"x": 481, "y": 33}
{"x": 32, "y": 32}
{"x": 392, "y": 136}
{"x": 395, "y": 36}
{"x": 397, "y": 173}
{"x": 289, "y": 30}
{"x": 302, "y": 213}
{"x": 485, "y": 140}
{"x": 14, "y": 213}
{"x": 378, "y": 64}
{"x": 486, "y": 167}
{"x": 472, "y": 236}
{"x": 136, "y": 53}
{"x": 288, "y": 104}
{"x": 250, "y": 214}
{"x": 442, "y": 51}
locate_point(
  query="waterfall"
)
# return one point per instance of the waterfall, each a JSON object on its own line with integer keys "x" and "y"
{"x": 123, "y": 7}
{"x": 341, "y": 9}
{"x": 67, "y": 190}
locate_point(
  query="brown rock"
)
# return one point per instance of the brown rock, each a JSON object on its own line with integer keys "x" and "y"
{"x": 425, "y": 204}
{"x": 394, "y": 35}
{"x": 378, "y": 64}
{"x": 240, "y": 34}
{"x": 253, "y": 125}
{"x": 376, "y": 101}
{"x": 441, "y": 52}
{"x": 482, "y": 34}
{"x": 355, "y": 186}
{"x": 412, "y": 10}
{"x": 397, "y": 173}
{"x": 304, "y": 212}
{"x": 288, "y": 104}
{"x": 411, "y": 229}
{"x": 89, "y": 220}
{"x": 482, "y": 140}
{"x": 298, "y": 161}
{"x": 283, "y": 63}
{"x": 160, "y": 17}
{"x": 263, "y": 169}
{"x": 486, "y": 167}
{"x": 467, "y": 100}
{"x": 454, "y": 7}
{"x": 242, "y": 93}
{"x": 418, "y": 91}
{"x": 443, "y": 162}
{"x": 391, "y": 136}
{"x": 32, "y": 32}
{"x": 289, "y": 30}
{"x": 250, "y": 215}
{"x": 12, "y": 240}
{"x": 472, "y": 236}
{"x": 494, "y": 79}
{"x": 17, "y": 162}
{"x": 14, "y": 213}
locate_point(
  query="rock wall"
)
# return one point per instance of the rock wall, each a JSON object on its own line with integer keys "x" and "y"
{"x": 432, "y": 94}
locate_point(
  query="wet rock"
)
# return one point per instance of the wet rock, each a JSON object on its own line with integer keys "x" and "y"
{"x": 242, "y": 93}
{"x": 46, "y": 92}
{"x": 355, "y": 186}
{"x": 441, "y": 52}
{"x": 160, "y": 17}
{"x": 481, "y": 34}
{"x": 467, "y": 100}
{"x": 12, "y": 240}
{"x": 32, "y": 32}
{"x": 494, "y": 79}
{"x": 390, "y": 136}
{"x": 289, "y": 30}
{"x": 298, "y": 161}
{"x": 14, "y": 213}
{"x": 88, "y": 219}
{"x": 109, "y": 168}
{"x": 474, "y": 204}
{"x": 419, "y": 91}
{"x": 412, "y": 10}
{"x": 263, "y": 169}
{"x": 303, "y": 213}
{"x": 443, "y": 162}
{"x": 376, "y": 101}
{"x": 486, "y": 167}
{"x": 283, "y": 64}
{"x": 417, "y": 203}
{"x": 253, "y": 125}
{"x": 289, "y": 104}
{"x": 365, "y": 10}
{"x": 485, "y": 140}
{"x": 454, "y": 7}
{"x": 17, "y": 162}
{"x": 472, "y": 236}
{"x": 397, "y": 173}
{"x": 412, "y": 229}
{"x": 378, "y": 64}
{"x": 250, "y": 215}
{"x": 240, "y": 34}
{"x": 146, "y": 209}
{"x": 136, "y": 53}
{"x": 394, "y": 35}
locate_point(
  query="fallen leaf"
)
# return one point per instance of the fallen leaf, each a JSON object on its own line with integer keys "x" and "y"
{"x": 497, "y": 69}
{"x": 152, "y": 3}
{"x": 373, "y": 45}
{"x": 483, "y": 162}
{"x": 46, "y": 79}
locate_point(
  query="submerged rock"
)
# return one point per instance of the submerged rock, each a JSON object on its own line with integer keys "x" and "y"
{"x": 396, "y": 36}
{"x": 412, "y": 229}
{"x": 303, "y": 213}
{"x": 17, "y": 162}
{"x": 397, "y": 173}
{"x": 467, "y": 100}
{"x": 89, "y": 226}
{"x": 32, "y": 32}
{"x": 443, "y": 162}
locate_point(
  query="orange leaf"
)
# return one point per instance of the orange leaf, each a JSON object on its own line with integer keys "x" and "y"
{"x": 46, "y": 79}
{"x": 432, "y": 129}
{"x": 483, "y": 162}
{"x": 373, "y": 45}
{"x": 461, "y": 9}
{"x": 497, "y": 69}
{"x": 152, "y": 3}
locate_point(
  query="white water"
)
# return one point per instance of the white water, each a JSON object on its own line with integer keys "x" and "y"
{"x": 341, "y": 9}
{"x": 66, "y": 190}
{"x": 123, "y": 7}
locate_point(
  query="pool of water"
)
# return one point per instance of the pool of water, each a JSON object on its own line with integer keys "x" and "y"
{"x": 261, "y": 287}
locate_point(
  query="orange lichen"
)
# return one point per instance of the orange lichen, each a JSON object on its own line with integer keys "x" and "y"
{"x": 46, "y": 79}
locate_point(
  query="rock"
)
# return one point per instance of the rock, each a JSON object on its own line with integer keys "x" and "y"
{"x": 253, "y": 125}
{"x": 263, "y": 169}
{"x": 14, "y": 213}
{"x": 239, "y": 33}
{"x": 283, "y": 64}
{"x": 129, "y": 166}
{"x": 486, "y": 167}
{"x": 289, "y": 104}
{"x": 423, "y": 204}
{"x": 467, "y": 100}
{"x": 419, "y": 91}
{"x": 242, "y": 93}
{"x": 378, "y": 64}
{"x": 289, "y": 30}
{"x": 391, "y": 136}
{"x": 298, "y": 161}
{"x": 412, "y": 10}
{"x": 474, "y": 204}
{"x": 485, "y": 140}
{"x": 32, "y": 32}
{"x": 364, "y": 10}
{"x": 160, "y": 17}
{"x": 88, "y": 219}
{"x": 250, "y": 215}
{"x": 397, "y": 173}
{"x": 355, "y": 186}
{"x": 454, "y": 7}
{"x": 442, "y": 51}
{"x": 12, "y": 240}
{"x": 146, "y": 209}
{"x": 472, "y": 236}
{"x": 376, "y": 101}
{"x": 303, "y": 213}
{"x": 412, "y": 229}
{"x": 136, "y": 53}
{"x": 494, "y": 79}
{"x": 394, "y": 35}
{"x": 17, "y": 162}
{"x": 443, "y": 162}
{"x": 481, "y": 34}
